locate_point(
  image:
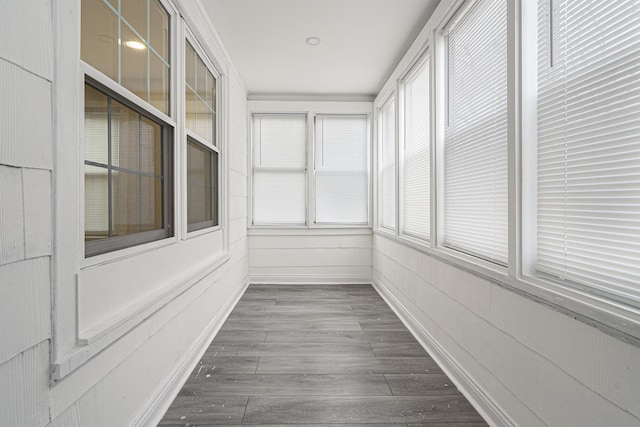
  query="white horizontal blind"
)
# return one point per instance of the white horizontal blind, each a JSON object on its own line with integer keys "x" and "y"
{"x": 589, "y": 143}
{"x": 475, "y": 149}
{"x": 279, "y": 169}
{"x": 341, "y": 172}
{"x": 416, "y": 168}
{"x": 387, "y": 164}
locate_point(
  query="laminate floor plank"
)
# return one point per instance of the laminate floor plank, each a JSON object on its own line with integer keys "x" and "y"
{"x": 224, "y": 337}
{"x": 293, "y": 349}
{"x": 205, "y": 410}
{"x": 287, "y": 385}
{"x": 340, "y": 336}
{"x": 317, "y": 355}
{"x": 213, "y": 363}
{"x": 382, "y": 325}
{"x": 346, "y": 365}
{"x": 281, "y": 325}
{"x": 420, "y": 384}
{"x": 384, "y": 349}
{"x": 297, "y": 317}
{"x": 358, "y": 409}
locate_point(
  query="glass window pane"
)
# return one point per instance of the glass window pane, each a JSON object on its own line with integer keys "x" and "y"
{"x": 126, "y": 203}
{"x": 191, "y": 110}
{"x": 279, "y": 198}
{"x": 201, "y": 78}
{"x": 204, "y": 120}
{"x": 125, "y": 137}
{"x": 190, "y": 66}
{"x": 135, "y": 12}
{"x": 150, "y": 147}
{"x": 99, "y": 37}
{"x": 158, "y": 83}
{"x": 199, "y": 184}
{"x": 96, "y": 126}
{"x": 159, "y": 29}
{"x": 151, "y": 195}
{"x": 211, "y": 91}
{"x": 134, "y": 63}
{"x": 96, "y": 203}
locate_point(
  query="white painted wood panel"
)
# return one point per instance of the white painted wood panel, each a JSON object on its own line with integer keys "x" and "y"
{"x": 11, "y": 215}
{"x": 24, "y": 306}
{"x": 24, "y": 388}
{"x": 37, "y": 212}
{"x": 111, "y": 292}
{"x": 309, "y": 257}
{"x": 25, "y": 116}
{"x": 26, "y": 35}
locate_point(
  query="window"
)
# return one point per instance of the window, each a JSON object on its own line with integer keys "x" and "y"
{"x": 202, "y": 191}
{"x": 588, "y": 162}
{"x": 341, "y": 170}
{"x": 387, "y": 164}
{"x": 128, "y": 154}
{"x": 279, "y": 169}
{"x": 475, "y": 137}
{"x": 415, "y": 154}
{"x": 128, "y": 41}
{"x": 127, "y": 174}
{"x": 202, "y": 147}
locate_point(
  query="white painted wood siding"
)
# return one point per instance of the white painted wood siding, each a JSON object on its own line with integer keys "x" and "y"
{"x": 305, "y": 256}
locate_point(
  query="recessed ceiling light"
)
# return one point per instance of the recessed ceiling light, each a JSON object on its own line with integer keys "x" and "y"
{"x": 134, "y": 44}
{"x": 313, "y": 41}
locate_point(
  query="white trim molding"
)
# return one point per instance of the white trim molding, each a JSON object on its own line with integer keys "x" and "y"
{"x": 488, "y": 408}
{"x": 159, "y": 403}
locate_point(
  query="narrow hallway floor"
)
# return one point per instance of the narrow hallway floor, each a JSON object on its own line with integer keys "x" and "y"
{"x": 317, "y": 355}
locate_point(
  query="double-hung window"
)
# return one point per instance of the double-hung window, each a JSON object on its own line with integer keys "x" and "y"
{"x": 588, "y": 145}
{"x": 341, "y": 169}
{"x": 128, "y": 146}
{"x": 415, "y": 175}
{"x": 334, "y": 191}
{"x": 387, "y": 164}
{"x": 475, "y": 136}
{"x": 202, "y": 147}
{"x": 279, "y": 169}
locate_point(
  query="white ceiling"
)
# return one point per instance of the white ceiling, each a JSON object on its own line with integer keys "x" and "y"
{"x": 362, "y": 41}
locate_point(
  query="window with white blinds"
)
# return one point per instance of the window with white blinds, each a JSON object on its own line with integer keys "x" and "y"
{"x": 475, "y": 145}
{"x": 341, "y": 172}
{"x": 588, "y": 183}
{"x": 279, "y": 169}
{"x": 387, "y": 164}
{"x": 415, "y": 154}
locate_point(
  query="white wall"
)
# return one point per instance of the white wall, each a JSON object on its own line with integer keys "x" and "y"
{"x": 310, "y": 256}
{"x": 539, "y": 366}
{"x": 133, "y": 378}
{"x": 26, "y": 146}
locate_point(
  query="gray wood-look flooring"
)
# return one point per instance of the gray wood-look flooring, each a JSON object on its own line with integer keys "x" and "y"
{"x": 332, "y": 355}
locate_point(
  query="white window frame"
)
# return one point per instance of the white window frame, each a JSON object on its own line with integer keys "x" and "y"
{"x": 310, "y": 109}
{"x": 313, "y": 171}
{"x": 424, "y": 57}
{"x": 389, "y": 99}
{"x": 214, "y": 68}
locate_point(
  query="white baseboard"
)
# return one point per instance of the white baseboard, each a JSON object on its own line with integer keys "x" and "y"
{"x": 310, "y": 279}
{"x": 481, "y": 401}
{"x": 160, "y": 402}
